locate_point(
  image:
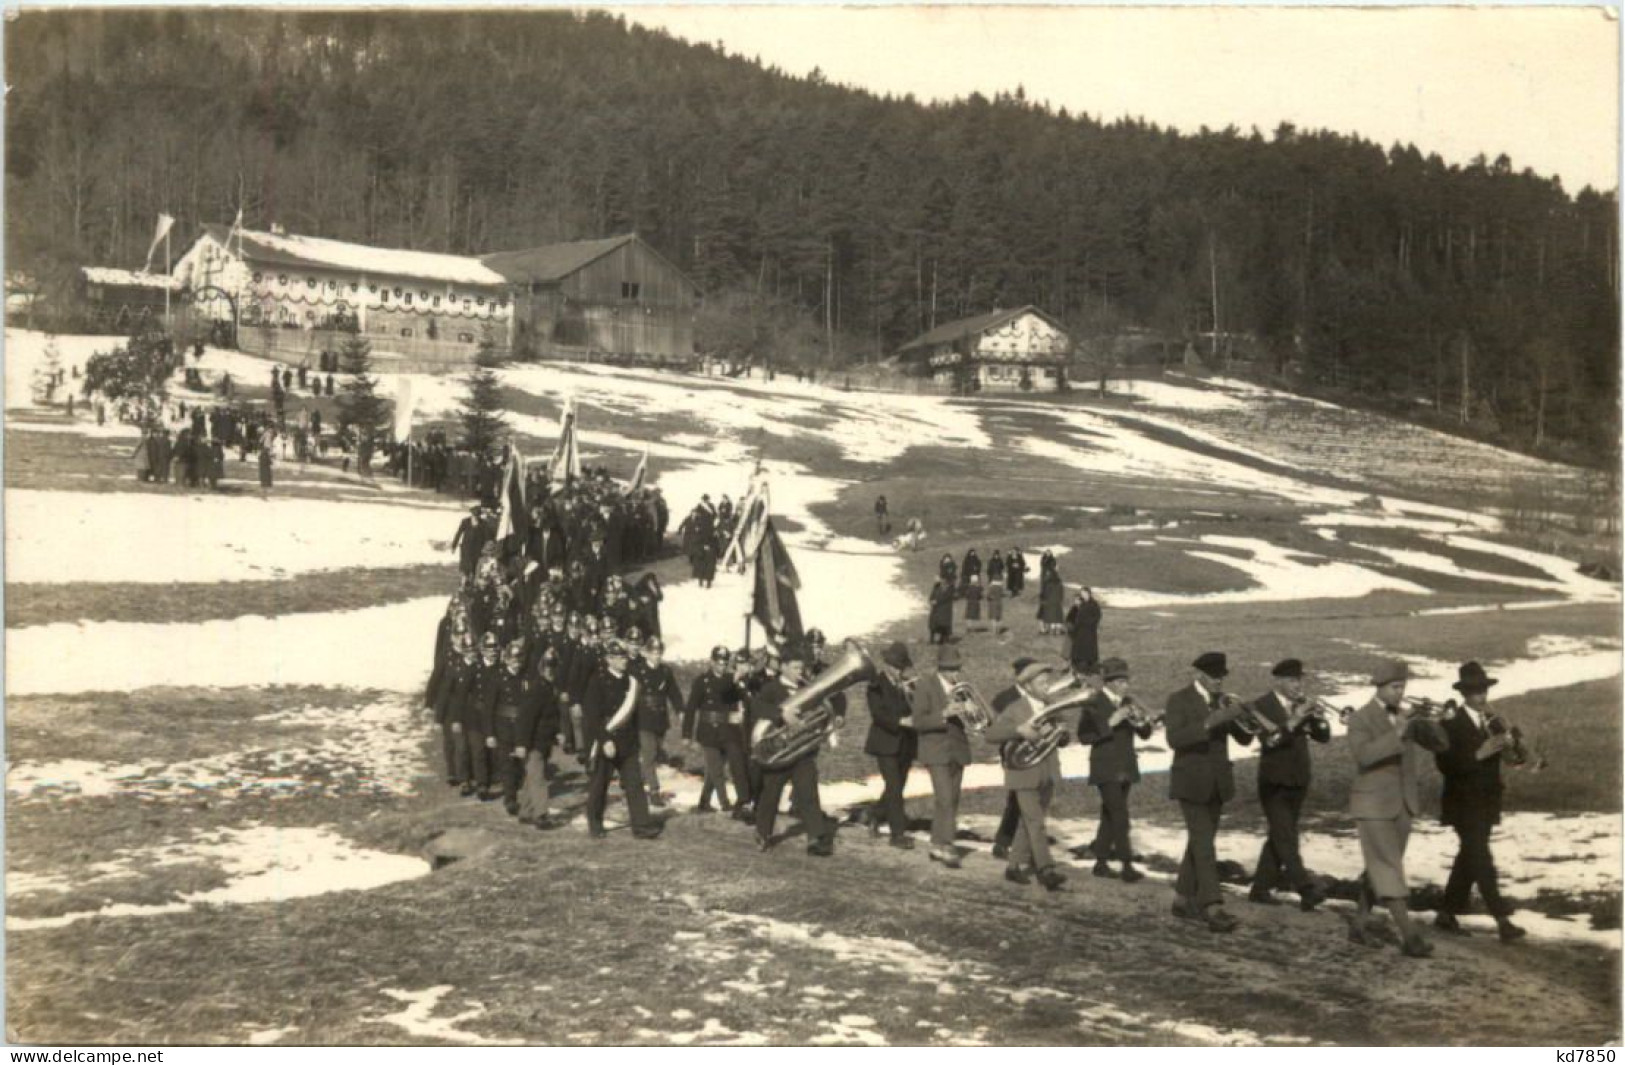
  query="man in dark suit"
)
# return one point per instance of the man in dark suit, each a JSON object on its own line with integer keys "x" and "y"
{"x": 1114, "y": 767}
{"x": 943, "y": 750}
{"x": 1471, "y": 767}
{"x": 1284, "y": 771}
{"x": 470, "y": 540}
{"x": 610, "y": 730}
{"x": 1199, "y": 725}
{"x": 891, "y": 739}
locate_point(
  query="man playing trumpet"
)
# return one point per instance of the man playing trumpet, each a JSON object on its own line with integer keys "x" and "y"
{"x": 1109, "y": 723}
{"x": 1201, "y": 719}
{"x": 1284, "y": 772}
{"x": 1471, "y": 767}
{"x": 1387, "y": 737}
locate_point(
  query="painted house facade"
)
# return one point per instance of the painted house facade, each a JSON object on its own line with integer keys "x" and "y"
{"x": 293, "y": 297}
{"x": 996, "y": 351}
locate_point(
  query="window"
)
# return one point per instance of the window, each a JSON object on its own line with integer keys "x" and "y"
{"x": 386, "y": 295}
{"x": 437, "y": 301}
{"x": 355, "y": 286}
{"x": 258, "y": 277}
{"x": 282, "y": 279}
{"x": 408, "y": 299}
{"x": 397, "y": 293}
{"x": 468, "y": 304}
{"x": 423, "y": 294}
{"x": 310, "y": 282}
{"x": 374, "y": 290}
{"x": 480, "y": 301}
{"x": 331, "y": 285}
{"x": 310, "y": 316}
{"x": 407, "y": 332}
{"x": 629, "y": 290}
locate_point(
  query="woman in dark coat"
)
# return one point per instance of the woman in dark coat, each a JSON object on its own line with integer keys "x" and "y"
{"x": 1051, "y": 593}
{"x": 1083, "y": 624}
{"x": 948, "y": 571}
{"x": 1015, "y": 569}
{"x": 941, "y": 622}
{"x": 995, "y": 568}
{"x": 971, "y": 568}
{"x": 705, "y": 561}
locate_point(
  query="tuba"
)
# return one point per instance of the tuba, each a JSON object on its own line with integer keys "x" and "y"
{"x": 1024, "y": 754}
{"x": 779, "y": 746}
{"x": 967, "y": 704}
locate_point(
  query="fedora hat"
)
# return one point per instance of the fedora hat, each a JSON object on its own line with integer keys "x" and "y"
{"x": 1474, "y": 679}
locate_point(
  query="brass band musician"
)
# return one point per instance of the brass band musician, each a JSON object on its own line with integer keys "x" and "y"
{"x": 1284, "y": 772}
{"x": 943, "y": 749}
{"x": 1109, "y": 722}
{"x": 802, "y": 776}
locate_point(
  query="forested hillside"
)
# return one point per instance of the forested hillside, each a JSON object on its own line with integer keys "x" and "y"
{"x": 1488, "y": 291}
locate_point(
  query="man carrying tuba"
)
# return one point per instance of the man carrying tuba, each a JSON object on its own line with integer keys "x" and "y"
{"x": 1033, "y": 786}
{"x": 943, "y": 748}
{"x": 769, "y": 710}
{"x": 891, "y": 738}
{"x": 1109, "y": 724}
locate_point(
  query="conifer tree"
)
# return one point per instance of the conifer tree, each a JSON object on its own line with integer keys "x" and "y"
{"x": 482, "y": 419}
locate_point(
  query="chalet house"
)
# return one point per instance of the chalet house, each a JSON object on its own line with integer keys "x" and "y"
{"x": 997, "y": 351}
{"x": 294, "y": 297}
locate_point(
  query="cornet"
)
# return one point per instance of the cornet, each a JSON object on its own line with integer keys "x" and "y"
{"x": 1249, "y": 721}
{"x": 1140, "y": 716}
{"x": 1324, "y": 710}
{"x": 1428, "y": 710}
{"x": 1515, "y": 753}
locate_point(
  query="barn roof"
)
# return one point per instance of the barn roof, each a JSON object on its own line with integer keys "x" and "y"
{"x": 294, "y": 250}
{"x": 949, "y": 332}
{"x": 552, "y": 262}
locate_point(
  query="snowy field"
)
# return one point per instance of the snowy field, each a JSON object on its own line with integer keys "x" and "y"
{"x": 852, "y": 587}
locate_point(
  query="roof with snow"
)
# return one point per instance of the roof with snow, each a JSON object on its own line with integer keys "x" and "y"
{"x": 111, "y": 275}
{"x": 965, "y": 327}
{"x": 552, "y": 262}
{"x": 293, "y": 250}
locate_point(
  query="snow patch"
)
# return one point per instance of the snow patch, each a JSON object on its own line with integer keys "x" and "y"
{"x": 418, "y": 1019}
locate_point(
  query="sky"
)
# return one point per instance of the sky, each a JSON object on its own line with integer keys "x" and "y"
{"x": 1539, "y": 84}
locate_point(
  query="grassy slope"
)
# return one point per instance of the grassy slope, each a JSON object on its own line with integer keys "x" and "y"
{"x": 547, "y": 931}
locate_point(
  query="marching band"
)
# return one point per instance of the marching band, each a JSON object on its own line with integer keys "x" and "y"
{"x": 600, "y": 689}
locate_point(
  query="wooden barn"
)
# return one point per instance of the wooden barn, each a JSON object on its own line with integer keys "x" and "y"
{"x": 118, "y": 300}
{"x": 1020, "y": 349}
{"x": 616, "y": 297}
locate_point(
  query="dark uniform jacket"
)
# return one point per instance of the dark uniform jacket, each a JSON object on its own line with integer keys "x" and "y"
{"x": 1201, "y": 767}
{"x": 659, "y": 695}
{"x": 456, "y": 688}
{"x": 603, "y": 697}
{"x": 1472, "y": 787}
{"x": 941, "y": 739}
{"x": 516, "y": 708}
{"x": 479, "y": 710}
{"x": 1286, "y": 763}
{"x": 583, "y": 664}
{"x": 888, "y": 705}
{"x": 1112, "y": 757}
{"x": 709, "y": 702}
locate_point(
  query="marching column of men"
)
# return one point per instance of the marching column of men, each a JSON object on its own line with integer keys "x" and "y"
{"x": 601, "y": 690}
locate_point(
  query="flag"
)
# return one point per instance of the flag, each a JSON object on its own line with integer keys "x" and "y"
{"x": 750, "y": 522}
{"x": 774, "y": 601}
{"x": 641, "y": 473}
{"x": 566, "y": 461}
{"x": 164, "y": 222}
{"x": 403, "y": 409}
{"x": 514, "y": 519}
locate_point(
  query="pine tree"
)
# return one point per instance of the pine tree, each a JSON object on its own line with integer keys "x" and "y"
{"x": 482, "y": 405}
{"x": 361, "y": 410}
{"x": 136, "y": 374}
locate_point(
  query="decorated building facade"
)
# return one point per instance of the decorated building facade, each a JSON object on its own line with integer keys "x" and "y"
{"x": 1006, "y": 350}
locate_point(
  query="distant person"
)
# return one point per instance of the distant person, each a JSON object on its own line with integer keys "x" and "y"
{"x": 1015, "y": 567}
{"x": 1083, "y": 626}
{"x": 882, "y": 518}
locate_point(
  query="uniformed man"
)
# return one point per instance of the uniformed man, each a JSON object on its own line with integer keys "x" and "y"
{"x": 479, "y": 714}
{"x": 1284, "y": 772}
{"x": 660, "y": 698}
{"x": 609, "y": 727}
{"x": 712, "y": 702}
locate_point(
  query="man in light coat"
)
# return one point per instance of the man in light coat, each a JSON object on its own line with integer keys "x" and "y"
{"x": 943, "y": 750}
{"x": 1389, "y": 742}
{"x": 1033, "y": 786}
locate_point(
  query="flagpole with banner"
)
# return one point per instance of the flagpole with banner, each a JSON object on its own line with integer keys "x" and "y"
{"x": 514, "y": 518}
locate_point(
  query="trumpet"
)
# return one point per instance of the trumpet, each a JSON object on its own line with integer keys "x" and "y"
{"x": 1249, "y": 721}
{"x": 967, "y": 704}
{"x": 1428, "y": 710}
{"x": 1140, "y": 716}
{"x": 1324, "y": 710}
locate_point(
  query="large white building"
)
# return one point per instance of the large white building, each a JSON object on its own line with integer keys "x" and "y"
{"x": 996, "y": 351}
